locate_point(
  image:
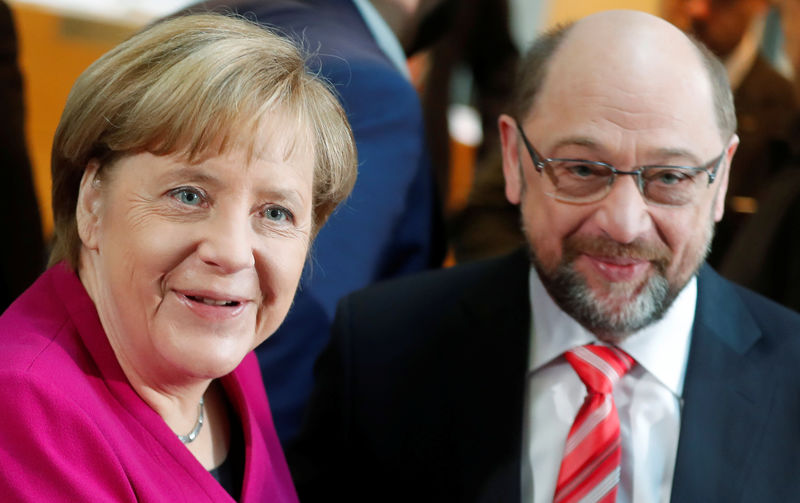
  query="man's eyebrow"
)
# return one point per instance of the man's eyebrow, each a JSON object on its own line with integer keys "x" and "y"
{"x": 658, "y": 153}
{"x": 580, "y": 141}
{"x": 678, "y": 153}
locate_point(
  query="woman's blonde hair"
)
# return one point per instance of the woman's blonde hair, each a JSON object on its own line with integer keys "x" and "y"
{"x": 195, "y": 85}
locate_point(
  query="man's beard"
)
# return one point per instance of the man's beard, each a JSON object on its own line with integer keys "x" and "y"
{"x": 627, "y": 307}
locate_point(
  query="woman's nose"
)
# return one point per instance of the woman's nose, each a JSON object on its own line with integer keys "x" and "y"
{"x": 227, "y": 242}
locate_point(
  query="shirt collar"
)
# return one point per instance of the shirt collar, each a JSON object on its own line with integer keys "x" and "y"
{"x": 661, "y": 348}
{"x": 384, "y": 36}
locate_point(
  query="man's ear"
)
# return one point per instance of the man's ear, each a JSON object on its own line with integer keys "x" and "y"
{"x": 89, "y": 210}
{"x": 509, "y": 141}
{"x": 722, "y": 190}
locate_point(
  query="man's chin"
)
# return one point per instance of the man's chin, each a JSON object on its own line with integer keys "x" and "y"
{"x": 610, "y": 310}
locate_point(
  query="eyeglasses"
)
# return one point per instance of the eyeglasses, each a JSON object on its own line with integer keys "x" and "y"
{"x": 579, "y": 181}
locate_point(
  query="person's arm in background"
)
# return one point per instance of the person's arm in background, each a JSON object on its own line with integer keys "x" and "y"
{"x": 382, "y": 230}
{"x": 22, "y": 254}
{"x": 385, "y": 228}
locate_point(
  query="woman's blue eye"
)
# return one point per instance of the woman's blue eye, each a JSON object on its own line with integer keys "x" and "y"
{"x": 277, "y": 214}
{"x": 188, "y": 197}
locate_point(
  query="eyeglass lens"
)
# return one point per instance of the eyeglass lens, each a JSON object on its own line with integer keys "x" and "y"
{"x": 581, "y": 181}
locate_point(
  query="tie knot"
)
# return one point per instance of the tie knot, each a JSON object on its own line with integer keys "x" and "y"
{"x": 599, "y": 367}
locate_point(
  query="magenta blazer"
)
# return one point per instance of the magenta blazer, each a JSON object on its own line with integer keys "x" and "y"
{"x": 73, "y": 429}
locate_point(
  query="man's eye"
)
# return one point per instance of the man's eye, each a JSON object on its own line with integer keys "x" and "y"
{"x": 670, "y": 177}
{"x": 584, "y": 170}
{"x": 581, "y": 170}
{"x": 188, "y": 196}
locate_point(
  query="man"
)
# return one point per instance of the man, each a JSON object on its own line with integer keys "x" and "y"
{"x": 764, "y": 99}
{"x": 463, "y": 385}
{"x": 390, "y": 224}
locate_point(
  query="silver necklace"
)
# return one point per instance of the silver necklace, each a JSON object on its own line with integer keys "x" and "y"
{"x": 189, "y": 437}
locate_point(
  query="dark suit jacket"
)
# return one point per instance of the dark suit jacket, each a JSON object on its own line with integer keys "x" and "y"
{"x": 386, "y": 227}
{"x": 419, "y": 396}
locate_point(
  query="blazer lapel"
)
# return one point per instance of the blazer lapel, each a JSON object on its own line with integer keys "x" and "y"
{"x": 725, "y": 396}
{"x": 485, "y": 380}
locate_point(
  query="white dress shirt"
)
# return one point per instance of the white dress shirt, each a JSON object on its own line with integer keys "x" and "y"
{"x": 648, "y": 398}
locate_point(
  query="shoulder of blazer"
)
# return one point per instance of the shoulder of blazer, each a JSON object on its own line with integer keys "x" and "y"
{"x": 438, "y": 289}
{"x": 738, "y": 314}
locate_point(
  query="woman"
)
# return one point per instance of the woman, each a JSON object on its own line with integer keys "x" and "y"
{"x": 192, "y": 167}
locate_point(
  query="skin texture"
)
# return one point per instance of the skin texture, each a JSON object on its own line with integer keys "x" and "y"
{"x": 639, "y": 98}
{"x": 159, "y": 232}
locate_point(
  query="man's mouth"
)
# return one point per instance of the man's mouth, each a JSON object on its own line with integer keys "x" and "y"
{"x": 613, "y": 254}
{"x": 619, "y": 269}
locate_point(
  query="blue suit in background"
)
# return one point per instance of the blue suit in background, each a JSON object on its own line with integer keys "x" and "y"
{"x": 387, "y": 227}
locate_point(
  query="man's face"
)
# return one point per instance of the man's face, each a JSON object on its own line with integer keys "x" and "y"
{"x": 615, "y": 265}
{"x": 720, "y": 24}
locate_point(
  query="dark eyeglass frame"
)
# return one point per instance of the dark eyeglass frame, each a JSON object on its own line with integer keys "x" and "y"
{"x": 539, "y": 163}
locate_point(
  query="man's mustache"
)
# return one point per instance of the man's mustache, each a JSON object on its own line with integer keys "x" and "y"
{"x": 658, "y": 253}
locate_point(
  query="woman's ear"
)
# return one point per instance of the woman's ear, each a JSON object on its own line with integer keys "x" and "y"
{"x": 89, "y": 210}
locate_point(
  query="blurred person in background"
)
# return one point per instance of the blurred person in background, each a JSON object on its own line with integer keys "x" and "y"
{"x": 22, "y": 256}
{"x": 391, "y": 225}
{"x": 765, "y": 255}
{"x": 473, "y": 64}
{"x": 764, "y": 99}
{"x": 192, "y": 167}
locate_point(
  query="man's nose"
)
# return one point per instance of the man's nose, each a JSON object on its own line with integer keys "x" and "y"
{"x": 226, "y": 241}
{"x": 623, "y": 214}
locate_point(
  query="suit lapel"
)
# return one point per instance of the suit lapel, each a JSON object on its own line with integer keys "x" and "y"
{"x": 726, "y": 390}
{"x": 726, "y": 393}
{"x": 485, "y": 380}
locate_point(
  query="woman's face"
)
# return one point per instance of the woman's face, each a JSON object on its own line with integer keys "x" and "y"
{"x": 193, "y": 265}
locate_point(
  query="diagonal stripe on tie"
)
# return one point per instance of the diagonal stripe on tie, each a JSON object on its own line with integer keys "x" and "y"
{"x": 591, "y": 464}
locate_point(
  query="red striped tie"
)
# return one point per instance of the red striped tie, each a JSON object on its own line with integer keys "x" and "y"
{"x": 590, "y": 468}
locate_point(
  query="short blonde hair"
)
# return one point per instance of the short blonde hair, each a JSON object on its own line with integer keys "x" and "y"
{"x": 195, "y": 85}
